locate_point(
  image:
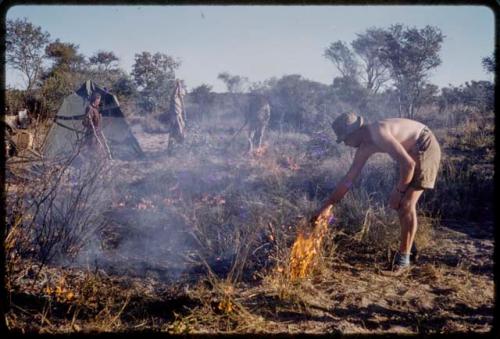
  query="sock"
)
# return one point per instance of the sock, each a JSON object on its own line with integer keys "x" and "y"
{"x": 402, "y": 259}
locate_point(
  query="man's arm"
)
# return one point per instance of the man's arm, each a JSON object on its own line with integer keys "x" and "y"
{"x": 360, "y": 158}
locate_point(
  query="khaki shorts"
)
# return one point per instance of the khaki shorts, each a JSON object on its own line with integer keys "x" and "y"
{"x": 428, "y": 156}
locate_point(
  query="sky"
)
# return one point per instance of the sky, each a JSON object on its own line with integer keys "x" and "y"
{"x": 258, "y": 42}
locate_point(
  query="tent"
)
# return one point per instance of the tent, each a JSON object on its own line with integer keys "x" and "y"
{"x": 67, "y": 131}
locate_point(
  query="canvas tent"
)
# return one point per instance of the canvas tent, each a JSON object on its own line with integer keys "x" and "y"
{"x": 67, "y": 131}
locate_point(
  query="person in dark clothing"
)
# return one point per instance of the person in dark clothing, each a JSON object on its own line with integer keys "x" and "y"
{"x": 94, "y": 138}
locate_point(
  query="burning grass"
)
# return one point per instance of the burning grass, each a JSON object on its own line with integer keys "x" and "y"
{"x": 306, "y": 248}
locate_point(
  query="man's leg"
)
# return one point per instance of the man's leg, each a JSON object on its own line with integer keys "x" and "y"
{"x": 408, "y": 218}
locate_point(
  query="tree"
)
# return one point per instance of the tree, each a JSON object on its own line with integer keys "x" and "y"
{"x": 104, "y": 61}
{"x": 202, "y": 95}
{"x": 25, "y": 45}
{"x": 350, "y": 91}
{"x": 410, "y": 54}
{"x": 428, "y": 95}
{"x": 367, "y": 46}
{"x": 296, "y": 104}
{"x": 489, "y": 63}
{"x": 234, "y": 83}
{"x": 480, "y": 95}
{"x": 65, "y": 57}
{"x": 154, "y": 75}
{"x": 203, "y": 98}
{"x": 343, "y": 59}
{"x": 64, "y": 75}
{"x": 124, "y": 86}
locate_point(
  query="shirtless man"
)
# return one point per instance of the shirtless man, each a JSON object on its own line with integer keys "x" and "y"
{"x": 413, "y": 146}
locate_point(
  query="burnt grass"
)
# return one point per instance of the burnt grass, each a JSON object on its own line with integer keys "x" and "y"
{"x": 196, "y": 241}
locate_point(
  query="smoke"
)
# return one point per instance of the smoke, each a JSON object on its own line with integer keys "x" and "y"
{"x": 211, "y": 203}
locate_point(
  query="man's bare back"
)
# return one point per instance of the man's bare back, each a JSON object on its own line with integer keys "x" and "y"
{"x": 405, "y": 131}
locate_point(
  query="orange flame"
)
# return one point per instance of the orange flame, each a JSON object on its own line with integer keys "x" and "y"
{"x": 306, "y": 248}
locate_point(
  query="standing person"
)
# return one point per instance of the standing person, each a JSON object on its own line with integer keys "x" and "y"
{"x": 94, "y": 138}
{"x": 413, "y": 146}
{"x": 175, "y": 117}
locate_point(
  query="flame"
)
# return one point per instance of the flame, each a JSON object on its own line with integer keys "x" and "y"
{"x": 61, "y": 292}
{"x": 260, "y": 151}
{"x": 306, "y": 247}
{"x": 226, "y": 306}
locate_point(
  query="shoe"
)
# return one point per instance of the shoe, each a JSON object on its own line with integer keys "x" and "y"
{"x": 414, "y": 253}
{"x": 399, "y": 270}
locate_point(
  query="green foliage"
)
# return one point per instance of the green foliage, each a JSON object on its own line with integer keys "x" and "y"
{"x": 64, "y": 76}
{"x": 53, "y": 91}
{"x": 65, "y": 57}
{"x": 410, "y": 54}
{"x": 25, "y": 44}
{"x": 460, "y": 102}
{"x": 350, "y": 91}
{"x": 489, "y": 63}
{"x": 154, "y": 75}
{"x": 104, "y": 61}
{"x": 343, "y": 59}
{"x": 124, "y": 86}
{"x": 298, "y": 104}
{"x": 203, "y": 98}
{"x": 367, "y": 46}
{"x": 14, "y": 100}
{"x": 234, "y": 83}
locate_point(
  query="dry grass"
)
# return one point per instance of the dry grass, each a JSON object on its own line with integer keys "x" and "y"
{"x": 228, "y": 220}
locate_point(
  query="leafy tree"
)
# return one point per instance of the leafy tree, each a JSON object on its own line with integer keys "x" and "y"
{"x": 124, "y": 86}
{"x": 203, "y": 99}
{"x": 367, "y": 46}
{"x": 234, "y": 83}
{"x": 450, "y": 99}
{"x": 25, "y": 45}
{"x": 428, "y": 95}
{"x": 263, "y": 86}
{"x": 343, "y": 59}
{"x": 65, "y": 57}
{"x": 479, "y": 95}
{"x": 296, "y": 104}
{"x": 202, "y": 95}
{"x": 350, "y": 91}
{"x": 154, "y": 75}
{"x": 489, "y": 63}
{"x": 410, "y": 54}
{"x": 66, "y": 73}
{"x": 104, "y": 61}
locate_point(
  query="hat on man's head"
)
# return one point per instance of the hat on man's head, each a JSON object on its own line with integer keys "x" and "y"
{"x": 345, "y": 124}
{"x": 94, "y": 96}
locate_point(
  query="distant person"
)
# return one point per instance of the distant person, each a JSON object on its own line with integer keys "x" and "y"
{"x": 257, "y": 115}
{"x": 175, "y": 117}
{"x": 23, "y": 119}
{"x": 257, "y": 118}
{"x": 413, "y": 146}
{"x": 94, "y": 138}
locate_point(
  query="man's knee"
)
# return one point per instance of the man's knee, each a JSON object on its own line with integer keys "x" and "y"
{"x": 406, "y": 207}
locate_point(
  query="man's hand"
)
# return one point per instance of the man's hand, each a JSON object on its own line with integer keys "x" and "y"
{"x": 395, "y": 198}
{"x": 323, "y": 212}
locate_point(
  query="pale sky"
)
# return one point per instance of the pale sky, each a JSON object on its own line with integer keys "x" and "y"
{"x": 259, "y": 42}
